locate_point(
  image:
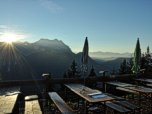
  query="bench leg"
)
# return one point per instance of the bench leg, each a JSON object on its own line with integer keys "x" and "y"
{"x": 86, "y": 109}
{"x": 78, "y": 101}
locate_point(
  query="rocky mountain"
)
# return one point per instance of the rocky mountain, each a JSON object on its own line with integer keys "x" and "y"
{"x": 43, "y": 44}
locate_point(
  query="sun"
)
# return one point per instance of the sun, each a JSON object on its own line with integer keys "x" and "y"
{"x": 9, "y": 38}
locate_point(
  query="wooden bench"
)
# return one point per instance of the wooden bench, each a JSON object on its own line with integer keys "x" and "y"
{"x": 128, "y": 105}
{"x": 117, "y": 108}
{"x": 32, "y": 107}
{"x": 62, "y": 106}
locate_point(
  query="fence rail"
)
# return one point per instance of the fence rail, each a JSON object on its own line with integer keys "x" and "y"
{"x": 50, "y": 81}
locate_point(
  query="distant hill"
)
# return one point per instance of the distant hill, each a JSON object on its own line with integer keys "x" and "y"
{"x": 116, "y": 62}
{"x": 109, "y": 55}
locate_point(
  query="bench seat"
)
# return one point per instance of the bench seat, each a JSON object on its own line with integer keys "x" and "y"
{"x": 117, "y": 108}
{"x": 128, "y": 105}
{"x": 32, "y": 107}
{"x": 62, "y": 106}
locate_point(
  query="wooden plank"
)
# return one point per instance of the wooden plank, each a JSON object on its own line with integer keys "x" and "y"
{"x": 117, "y": 107}
{"x": 120, "y": 84}
{"x": 140, "y": 89}
{"x": 77, "y": 88}
{"x": 32, "y": 107}
{"x": 144, "y": 80}
{"x": 150, "y": 85}
{"x": 127, "y": 90}
{"x": 7, "y": 103}
{"x": 128, "y": 105}
{"x": 62, "y": 106}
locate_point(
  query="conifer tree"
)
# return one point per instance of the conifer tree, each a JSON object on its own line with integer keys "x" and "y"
{"x": 73, "y": 72}
{"x": 123, "y": 68}
{"x": 130, "y": 64}
{"x": 113, "y": 71}
{"x": 61, "y": 85}
{"x": 92, "y": 74}
{"x": 69, "y": 74}
{"x": 65, "y": 75}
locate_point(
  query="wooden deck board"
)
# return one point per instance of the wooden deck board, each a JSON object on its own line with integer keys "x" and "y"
{"x": 63, "y": 107}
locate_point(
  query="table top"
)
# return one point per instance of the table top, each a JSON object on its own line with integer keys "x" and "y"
{"x": 144, "y": 80}
{"x": 77, "y": 88}
{"x": 7, "y": 103}
{"x": 127, "y": 90}
{"x": 141, "y": 89}
{"x": 120, "y": 84}
{"x": 8, "y": 97}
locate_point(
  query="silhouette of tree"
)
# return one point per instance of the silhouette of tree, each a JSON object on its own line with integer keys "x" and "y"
{"x": 123, "y": 67}
{"x": 92, "y": 74}
{"x": 130, "y": 64}
{"x": 65, "y": 75}
{"x": 146, "y": 61}
{"x": 113, "y": 71}
{"x": 69, "y": 74}
{"x": 61, "y": 85}
{"x": 73, "y": 72}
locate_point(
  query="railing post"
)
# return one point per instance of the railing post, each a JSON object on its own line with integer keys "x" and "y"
{"x": 47, "y": 78}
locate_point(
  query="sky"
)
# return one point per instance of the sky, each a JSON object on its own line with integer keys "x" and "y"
{"x": 110, "y": 25}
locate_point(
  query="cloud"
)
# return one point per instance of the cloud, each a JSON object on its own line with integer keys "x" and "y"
{"x": 51, "y": 6}
{"x": 3, "y": 26}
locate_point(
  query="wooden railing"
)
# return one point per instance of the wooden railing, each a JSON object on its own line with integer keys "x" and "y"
{"x": 50, "y": 81}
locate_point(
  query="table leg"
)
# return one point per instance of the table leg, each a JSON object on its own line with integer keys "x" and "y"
{"x": 104, "y": 107}
{"x": 86, "y": 110}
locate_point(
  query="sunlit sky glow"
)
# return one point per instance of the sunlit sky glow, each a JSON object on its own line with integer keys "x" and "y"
{"x": 110, "y": 25}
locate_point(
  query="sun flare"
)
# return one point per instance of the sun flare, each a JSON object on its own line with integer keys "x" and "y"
{"x": 9, "y": 38}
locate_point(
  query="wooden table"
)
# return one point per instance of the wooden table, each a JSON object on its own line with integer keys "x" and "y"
{"x": 77, "y": 88}
{"x": 142, "y": 89}
{"x": 7, "y": 103}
